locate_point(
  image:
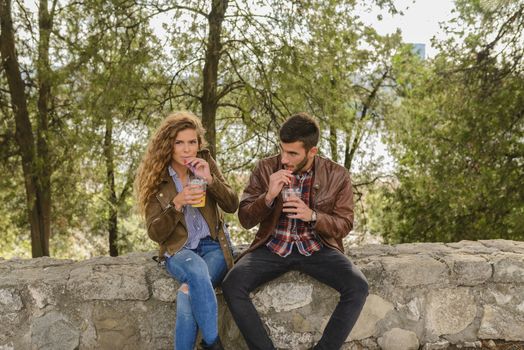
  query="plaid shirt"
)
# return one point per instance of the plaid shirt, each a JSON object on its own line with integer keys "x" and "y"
{"x": 291, "y": 232}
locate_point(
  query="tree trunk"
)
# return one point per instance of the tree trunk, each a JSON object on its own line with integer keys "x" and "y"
{"x": 44, "y": 103}
{"x": 333, "y": 143}
{"x": 31, "y": 165}
{"x": 210, "y": 73}
{"x": 112, "y": 221}
{"x": 351, "y": 149}
{"x": 348, "y": 153}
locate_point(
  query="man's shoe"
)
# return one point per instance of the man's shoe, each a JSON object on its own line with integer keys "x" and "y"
{"x": 217, "y": 345}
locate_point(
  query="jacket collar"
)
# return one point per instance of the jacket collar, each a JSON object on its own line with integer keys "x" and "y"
{"x": 165, "y": 176}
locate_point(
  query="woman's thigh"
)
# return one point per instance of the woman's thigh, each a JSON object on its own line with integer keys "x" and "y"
{"x": 185, "y": 264}
{"x": 213, "y": 256}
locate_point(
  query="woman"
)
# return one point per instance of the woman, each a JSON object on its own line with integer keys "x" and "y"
{"x": 191, "y": 239}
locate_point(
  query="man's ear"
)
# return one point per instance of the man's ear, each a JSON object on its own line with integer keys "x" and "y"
{"x": 313, "y": 151}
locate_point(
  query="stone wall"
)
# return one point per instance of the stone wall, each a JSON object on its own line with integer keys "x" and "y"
{"x": 428, "y": 296}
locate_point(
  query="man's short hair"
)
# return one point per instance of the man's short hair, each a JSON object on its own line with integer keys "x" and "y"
{"x": 300, "y": 127}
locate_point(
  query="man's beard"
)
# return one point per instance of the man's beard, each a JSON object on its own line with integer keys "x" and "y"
{"x": 300, "y": 165}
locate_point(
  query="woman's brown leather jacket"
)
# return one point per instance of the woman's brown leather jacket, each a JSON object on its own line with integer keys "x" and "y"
{"x": 167, "y": 226}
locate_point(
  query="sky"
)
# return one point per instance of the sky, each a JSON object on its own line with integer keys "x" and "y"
{"x": 419, "y": 23}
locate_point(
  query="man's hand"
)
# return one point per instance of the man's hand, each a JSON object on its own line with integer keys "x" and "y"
{"x": 297, "y": 209}
{"x": 276, "y": 182}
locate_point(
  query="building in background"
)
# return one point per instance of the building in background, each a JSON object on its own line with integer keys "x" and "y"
{"x": 419, "y": 49}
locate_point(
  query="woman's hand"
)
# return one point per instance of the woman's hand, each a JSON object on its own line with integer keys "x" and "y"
{"x": 190, "y": 195}
{"x": 200, "y": 168}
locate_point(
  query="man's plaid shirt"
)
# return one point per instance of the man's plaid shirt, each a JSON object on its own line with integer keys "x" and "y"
{"x": 290, "y": 232}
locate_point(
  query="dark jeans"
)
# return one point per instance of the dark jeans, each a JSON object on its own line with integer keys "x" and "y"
{"x": 328, "y": 266}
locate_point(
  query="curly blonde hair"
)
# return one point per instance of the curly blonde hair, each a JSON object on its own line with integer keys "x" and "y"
{"x": 158, "y": 154}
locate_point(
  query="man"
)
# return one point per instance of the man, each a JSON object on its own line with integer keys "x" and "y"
{"x": 303, "y": 234}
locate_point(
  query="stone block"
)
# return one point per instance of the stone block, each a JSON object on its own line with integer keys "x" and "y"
{"x": 414, "y": 270}
{"x": 469, "y": 270}
{"x": 117, "y": 327}
{"x": 109, "y": 282}
{"x": 500, "y": 323}
{"x": 9, "y": 324}
{"x": 373, "y": 250}
{"x": 165, "y": 289}
{"x": 471, "y": 247}
{"x": 438, "y": 345}
{"x": 398, "y": 339}
{"x": 505, "y": 295}
{"x": 284, "y": 296}
{"x": 375, "y": 309}
{"x": 449, "y": 311}
{"x": 412, "y": 310}
{"x": 504, "y": 245}
{"x": 283, "y": 338}
{"x": 53, "y": 331}
{"x": 508, "y": 268}
{"x": 10, "y": 300}
{"x": 44, "y": 294}
{"x": 418, "y": 248}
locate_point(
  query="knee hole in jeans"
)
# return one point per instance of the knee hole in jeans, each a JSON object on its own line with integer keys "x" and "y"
{"x": 184, "y": 288}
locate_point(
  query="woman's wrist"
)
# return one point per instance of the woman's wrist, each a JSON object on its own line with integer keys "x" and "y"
{"x": 178, "y": 206}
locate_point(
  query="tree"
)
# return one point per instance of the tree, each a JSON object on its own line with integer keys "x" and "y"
{"x": 102, "y": 75}
{"x": 199, "y": 59}
{"x": 458, "y": 134}
{"x": 121, "y": 92}
{"x": 32, "y": 141}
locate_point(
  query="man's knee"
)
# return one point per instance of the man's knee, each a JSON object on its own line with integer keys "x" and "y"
{"x": 364, "y": 288}
{"x": 234, "y": 283}
{"x": 360, "y": 288}
{"x": 356, "y": 286}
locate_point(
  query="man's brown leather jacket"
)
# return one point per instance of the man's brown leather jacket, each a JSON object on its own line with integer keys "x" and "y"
{"x": 167, "y": 226}
{"x": 331, "y": 198}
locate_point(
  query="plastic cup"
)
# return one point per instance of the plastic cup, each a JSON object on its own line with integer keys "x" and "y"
{"x": 288, "y": 192}
{"x": 201, "y": 183}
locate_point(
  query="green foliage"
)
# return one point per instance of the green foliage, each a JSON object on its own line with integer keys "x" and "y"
{"x": 14, "y": 242}
{"x": 458, "y": 138}
{"x": 454, "y": 123}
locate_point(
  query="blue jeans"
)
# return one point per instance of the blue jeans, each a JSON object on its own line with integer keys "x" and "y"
{"x": 201, "y": 269}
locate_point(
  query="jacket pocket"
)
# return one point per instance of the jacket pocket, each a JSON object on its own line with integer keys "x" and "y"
{"x": 161, "y": 228}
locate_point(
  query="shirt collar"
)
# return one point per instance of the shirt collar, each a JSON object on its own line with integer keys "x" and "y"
{"x": 172, "y": 171}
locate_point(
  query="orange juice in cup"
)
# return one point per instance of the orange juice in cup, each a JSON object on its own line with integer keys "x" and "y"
{"x": 201, "y": 183}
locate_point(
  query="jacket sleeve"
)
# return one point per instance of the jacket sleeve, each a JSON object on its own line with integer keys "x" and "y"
{"x": 161, "y": 220}
{"x": 339, "y": 221}
{"x": 226, "y": 198}
{"x": 253, "y": 208}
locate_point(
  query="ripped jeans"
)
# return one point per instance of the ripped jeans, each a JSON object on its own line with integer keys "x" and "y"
{"x": 201, "y": 269}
